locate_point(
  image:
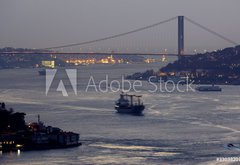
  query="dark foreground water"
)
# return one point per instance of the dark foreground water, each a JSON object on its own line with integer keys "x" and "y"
{"x": 177, "y": 128}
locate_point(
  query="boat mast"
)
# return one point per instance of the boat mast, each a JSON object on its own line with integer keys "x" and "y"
{"x": 131, "y": 97}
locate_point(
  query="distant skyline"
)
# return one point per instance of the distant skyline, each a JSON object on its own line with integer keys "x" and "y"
{"x": 49, "y": 23}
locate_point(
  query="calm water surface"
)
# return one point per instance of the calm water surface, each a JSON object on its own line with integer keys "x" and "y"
{"x": 176, "y": 128}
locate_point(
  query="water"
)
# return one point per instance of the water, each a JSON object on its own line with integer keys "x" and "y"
{"x": 177, "y": 128}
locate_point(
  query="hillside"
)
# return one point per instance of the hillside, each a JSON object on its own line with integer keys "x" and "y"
{"x": 221, "y": 67}
{"x": 218, "y": 67}
{"x": 226, "y": 60}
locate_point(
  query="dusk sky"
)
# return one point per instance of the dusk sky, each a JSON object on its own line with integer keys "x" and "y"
{"x": 48, "y": 23}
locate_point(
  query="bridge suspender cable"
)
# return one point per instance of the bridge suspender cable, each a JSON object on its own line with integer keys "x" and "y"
{"x": 113, "y": 36}
{"x": 211, "y": 31}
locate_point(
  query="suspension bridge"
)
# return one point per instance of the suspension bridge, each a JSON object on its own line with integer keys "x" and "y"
{"x": 58, "y": 50}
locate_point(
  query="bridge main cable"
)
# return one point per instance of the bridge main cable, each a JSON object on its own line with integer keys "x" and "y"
{"x": 211, "y": 31}
{"x": 113, "y": 36}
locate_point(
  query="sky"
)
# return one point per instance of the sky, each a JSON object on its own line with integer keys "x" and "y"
{"x": 49, "y": 23}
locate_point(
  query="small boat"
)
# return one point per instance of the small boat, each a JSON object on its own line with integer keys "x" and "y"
{"x": 231, "y": 146}
{"x": 209, "y": 88}
{"x": 46, "y": 65}
{"x": 131, "y": 104}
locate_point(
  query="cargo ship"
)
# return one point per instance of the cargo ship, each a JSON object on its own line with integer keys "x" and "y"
{"x": 131, "y": 104}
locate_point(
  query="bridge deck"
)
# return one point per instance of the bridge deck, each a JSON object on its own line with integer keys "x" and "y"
{"x": 93, "y": 53}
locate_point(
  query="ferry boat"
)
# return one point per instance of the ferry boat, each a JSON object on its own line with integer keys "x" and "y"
{"x": 46, "y": 65}
{"x": 131, "y": 104}
{"x": 209, "y": 88}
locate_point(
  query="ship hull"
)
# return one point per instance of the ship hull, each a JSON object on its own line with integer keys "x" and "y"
{"x": 130, "y": 110}
{"x": 209, "y": 89}
{"x": 42, "y": 72}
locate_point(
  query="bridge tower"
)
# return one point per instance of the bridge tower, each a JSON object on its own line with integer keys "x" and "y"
{"x": 180, "y": 35}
